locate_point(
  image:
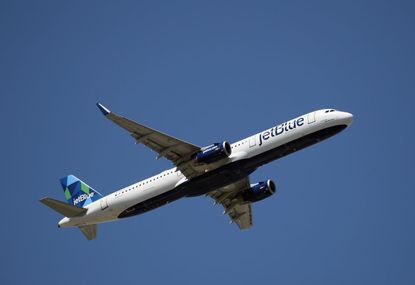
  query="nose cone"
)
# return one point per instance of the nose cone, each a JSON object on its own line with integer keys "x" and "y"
{"x": 348, "y": 118}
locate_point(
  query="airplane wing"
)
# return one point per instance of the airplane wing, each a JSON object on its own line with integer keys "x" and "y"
{"x": 177, "y": 151}
{"x": 230, "y": 197}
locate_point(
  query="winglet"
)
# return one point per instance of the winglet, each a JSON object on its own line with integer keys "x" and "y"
{"x": 103, "y": 109}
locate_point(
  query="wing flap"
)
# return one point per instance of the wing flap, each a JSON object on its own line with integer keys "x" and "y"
{"x": 230, "y": 197}
{"x": 242, "y": 215}
{"x": 175, "y": 150}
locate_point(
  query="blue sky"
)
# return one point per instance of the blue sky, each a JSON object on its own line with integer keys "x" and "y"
{"x": 206, "y": 72}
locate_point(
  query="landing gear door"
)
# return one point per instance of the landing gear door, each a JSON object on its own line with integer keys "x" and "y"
{"x": 311, "y": 117}
{"x": 104, "y": 203}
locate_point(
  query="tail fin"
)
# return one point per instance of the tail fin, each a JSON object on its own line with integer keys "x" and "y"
{"x": 78, "y": 192}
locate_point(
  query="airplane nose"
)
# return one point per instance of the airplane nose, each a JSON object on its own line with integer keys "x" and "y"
{"x": 348, "y": 118}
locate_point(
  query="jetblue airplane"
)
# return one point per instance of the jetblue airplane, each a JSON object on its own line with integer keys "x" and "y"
{"x": 220, "y": 171}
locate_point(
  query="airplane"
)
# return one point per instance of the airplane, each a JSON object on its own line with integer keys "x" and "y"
{"x": 220, "y": 171}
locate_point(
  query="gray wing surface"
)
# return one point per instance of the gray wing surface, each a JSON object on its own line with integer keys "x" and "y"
{"x": 63, "y": 208}
{"x": 89, "y": 231}
{"x": 177, "y": 151}
{"x": 230, "y": 197}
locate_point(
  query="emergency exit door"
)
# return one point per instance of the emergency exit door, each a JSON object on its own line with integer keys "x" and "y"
{"x": 104, "y": 203}
{"x": 311, "y": 117}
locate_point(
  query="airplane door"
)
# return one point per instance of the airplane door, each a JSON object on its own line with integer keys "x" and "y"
{"x": 311, "y": 117}
{"x": 104, "y": 203}
{"x": 252, "y": 141}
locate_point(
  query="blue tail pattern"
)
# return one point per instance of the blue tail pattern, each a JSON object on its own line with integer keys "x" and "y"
{"x": 77, "y": 192}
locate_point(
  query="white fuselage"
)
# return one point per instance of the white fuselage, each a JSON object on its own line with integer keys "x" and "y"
{"x": 109, "y": 207}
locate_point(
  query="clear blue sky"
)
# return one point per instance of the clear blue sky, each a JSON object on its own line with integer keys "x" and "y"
{"x": 207, "y": 72}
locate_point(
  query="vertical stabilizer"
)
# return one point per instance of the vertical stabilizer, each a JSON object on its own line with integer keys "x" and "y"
{"x": 77, "y": 192}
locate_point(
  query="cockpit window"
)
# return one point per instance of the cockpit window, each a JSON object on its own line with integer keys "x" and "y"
{"x": 331, "y": 110}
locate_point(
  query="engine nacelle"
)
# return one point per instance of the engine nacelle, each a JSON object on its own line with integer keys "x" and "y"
{"x": 214, "y": 152}
{"x": 259, "y": 191}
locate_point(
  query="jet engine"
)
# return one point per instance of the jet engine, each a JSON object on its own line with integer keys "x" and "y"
{"x": 214, "y": 152}
{"x": 259, "y": 191}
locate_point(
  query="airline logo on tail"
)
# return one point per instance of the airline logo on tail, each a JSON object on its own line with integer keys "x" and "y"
{"x": 78, "y": 192}
{"x": 82, "y": 198}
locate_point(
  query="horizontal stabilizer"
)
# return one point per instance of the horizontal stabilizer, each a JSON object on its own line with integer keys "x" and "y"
{"x": 63, "y": 208}
{"x": 90, "y": 231}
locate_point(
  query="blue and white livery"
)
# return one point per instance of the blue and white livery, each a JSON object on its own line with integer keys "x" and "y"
{"x": 220, "y": 171}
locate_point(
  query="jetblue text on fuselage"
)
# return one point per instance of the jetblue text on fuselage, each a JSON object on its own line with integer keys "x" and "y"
{"x": 277, "y": 130}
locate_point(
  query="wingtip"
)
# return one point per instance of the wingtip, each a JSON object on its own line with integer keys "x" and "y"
{"x": 103, "y": 109}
